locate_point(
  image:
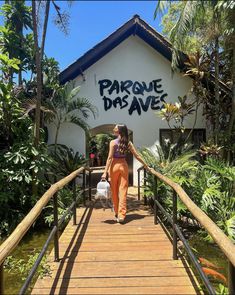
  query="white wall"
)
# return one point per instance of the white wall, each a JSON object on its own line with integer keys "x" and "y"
{"x": 132, "y": 60}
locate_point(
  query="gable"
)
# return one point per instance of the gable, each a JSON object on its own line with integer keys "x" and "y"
{"x": 135, "y": 26}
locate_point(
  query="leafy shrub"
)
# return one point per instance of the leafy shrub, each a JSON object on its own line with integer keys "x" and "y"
{"x": 209, "y": 185}
{"x": 65, "y": 199}
{"x": 19, "y": 166}
{"x": 65, "y": 161}
{"x": 23, "y": 267}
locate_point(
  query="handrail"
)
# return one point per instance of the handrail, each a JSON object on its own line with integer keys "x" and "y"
{"x": 16, "y": 236}
{"x": 224, "y": 243}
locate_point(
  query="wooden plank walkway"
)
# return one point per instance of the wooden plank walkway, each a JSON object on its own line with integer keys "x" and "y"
{"x": 100, "y": 256}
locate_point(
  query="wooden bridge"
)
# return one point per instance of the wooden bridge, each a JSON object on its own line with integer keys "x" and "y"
{"x": 100, "y": 256}
{"x": 96, "y": 255}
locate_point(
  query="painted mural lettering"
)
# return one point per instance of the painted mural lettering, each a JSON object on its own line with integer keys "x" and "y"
{"x": 141, "y": 101}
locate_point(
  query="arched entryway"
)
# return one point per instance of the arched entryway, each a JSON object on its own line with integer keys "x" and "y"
{"x": 108, "y": 129}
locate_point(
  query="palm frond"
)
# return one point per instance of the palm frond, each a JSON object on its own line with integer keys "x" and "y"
{"x": 79, "y": 122}
{"x": 161, "y": 7}
{"x": 181, "y": 28}
{"x": 82, "y": 105}
{"x": 30, "y": 104}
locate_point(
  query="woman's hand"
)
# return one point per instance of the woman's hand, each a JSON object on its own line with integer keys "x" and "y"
{"x": 104, "y": 175}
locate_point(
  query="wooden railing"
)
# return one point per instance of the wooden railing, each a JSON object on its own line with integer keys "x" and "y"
{"x": 223, "y": 242}
{"x": 13, "y": 240}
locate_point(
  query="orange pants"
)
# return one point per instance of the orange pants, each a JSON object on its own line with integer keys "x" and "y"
{"x": 119, "y": 185}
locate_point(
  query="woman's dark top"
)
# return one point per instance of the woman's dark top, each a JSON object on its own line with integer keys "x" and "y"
{"x": 116, "y": 152}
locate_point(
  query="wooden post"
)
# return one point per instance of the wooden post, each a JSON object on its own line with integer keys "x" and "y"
{"x": 84, "y": 186}
{"x": 89, "y": 185}
{"x": 155, "y": 207}
{"x": 56, "y": 236}
{"x": 2, "y": 279}
{"x": 138, "y": 185}
{"x": 174, "y": 223}
{"x": 231, "y": 278}
{"x": 145, "y": 198}
{"x": 74, "y": 199}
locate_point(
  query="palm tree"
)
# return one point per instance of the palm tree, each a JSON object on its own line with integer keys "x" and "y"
{"x": 17, "y": 18}
{"x": 194, "y": 13}
{"x": 63, "y": 107}
{"x": 67, "y": 107}
{"x": 229, "y": 9}
{"x": 41, "y": 15}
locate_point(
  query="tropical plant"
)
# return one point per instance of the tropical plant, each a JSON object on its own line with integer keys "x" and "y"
{"x": 211, "y": 24}
{"x": 40, "y": 16}
{"x": 213, "y": 191}
{"x": 65, "y": 161}
{"x": 65, "y": 199}
{"x": 180, "y": 168}
{"x": 178, "y": 111}
{"x": 14, "y": 41}
{"x": 68, "y": 108}
{"x": 102, "y": 141}
{"x": 210, "y": 185}
{"x": 18, "y": 166}
{"x": 210, "y": 149}
{"x": 229, "y": 32}
{"x": 20, "y": 266}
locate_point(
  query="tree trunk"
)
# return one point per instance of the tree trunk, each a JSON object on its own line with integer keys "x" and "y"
{"x": 39, "y": 75}
{"x": 217, "y": 96}
{"x": 232, "y": 116}
{"x": 39, "y": 55}
{"x": 20, "y": 77}
{"x": 56, "y": 136}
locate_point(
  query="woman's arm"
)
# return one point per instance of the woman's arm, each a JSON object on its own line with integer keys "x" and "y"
{"x": 137, "y": 156}
{"x": 109, "y": 159}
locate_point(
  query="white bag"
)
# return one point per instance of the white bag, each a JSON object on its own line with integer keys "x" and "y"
{"x": 103, "y": 193}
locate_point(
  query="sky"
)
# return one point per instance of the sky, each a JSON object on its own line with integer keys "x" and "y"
{"x": 90, "y": 23}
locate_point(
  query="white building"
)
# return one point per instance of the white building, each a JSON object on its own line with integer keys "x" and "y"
{"x": 127, "y": 76}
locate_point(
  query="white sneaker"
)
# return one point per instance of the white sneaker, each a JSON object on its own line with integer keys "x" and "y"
{"x": 120, "y": 220}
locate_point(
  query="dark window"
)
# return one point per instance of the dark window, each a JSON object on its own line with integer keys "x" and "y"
{"x": 196, "y": 138}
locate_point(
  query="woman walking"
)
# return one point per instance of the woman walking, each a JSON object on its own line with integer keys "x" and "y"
{"x": 117, "y": 167}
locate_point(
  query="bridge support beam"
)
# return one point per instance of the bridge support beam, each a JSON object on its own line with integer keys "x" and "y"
{"x": 175, "y": 256}
{"x": 231, "y": 278}
{"x": 89, "y": 181}
{"x": 56, "y": 236}
{"x": 84, "y": 186}
{"x": 138, "y": 184}
{"x": 2, "y": 279}
{"x": 145, "y": 198}
{"x": 74, "y": 199}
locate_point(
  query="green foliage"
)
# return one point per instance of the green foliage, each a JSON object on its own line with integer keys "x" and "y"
{"x": 65, "y": 161}
{"x": 21, "y": 164}
{"x": 222, "y": 290}
{"x": 206, "y": 27}
{"x": 67, "y": 107}
{"x": 101, "y": 142}
{"x": 19, "y": 167}
{"x": 213, "y": 191}
{"x": 15, "y": 43}
{"x": 180, "y": 167}
{"x": 10, "y": 115}
{"x": 192, "y": 41}
{"x": 20, "y": 266}
{"x": 65, "y": 199}
{"x": 209, "y": 185}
